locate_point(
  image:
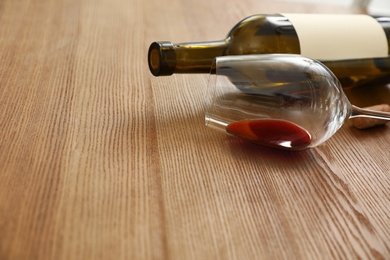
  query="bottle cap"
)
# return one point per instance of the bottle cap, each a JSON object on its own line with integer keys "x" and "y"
{"x": 162, "y": 58}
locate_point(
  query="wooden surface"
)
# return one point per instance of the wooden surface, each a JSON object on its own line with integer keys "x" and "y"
{"x": 101, "y": 160}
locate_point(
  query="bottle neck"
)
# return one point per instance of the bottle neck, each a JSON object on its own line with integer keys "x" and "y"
{"x": 166, "y": 58}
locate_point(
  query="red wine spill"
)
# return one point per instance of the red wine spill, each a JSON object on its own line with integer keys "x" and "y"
{"x": 271, "y": 132}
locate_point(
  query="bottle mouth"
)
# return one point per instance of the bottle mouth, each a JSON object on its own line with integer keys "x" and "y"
{"x": 162, "y": 58}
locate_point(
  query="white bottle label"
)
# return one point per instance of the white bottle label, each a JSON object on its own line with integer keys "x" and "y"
{"x": 339, "y": 36}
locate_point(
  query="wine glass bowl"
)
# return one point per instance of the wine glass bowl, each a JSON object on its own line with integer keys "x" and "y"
{"x": 278, "y": 100}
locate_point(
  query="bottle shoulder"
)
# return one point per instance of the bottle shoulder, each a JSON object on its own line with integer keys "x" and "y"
{"x": 263, "y": 34}
{"x": 264, "y": 23}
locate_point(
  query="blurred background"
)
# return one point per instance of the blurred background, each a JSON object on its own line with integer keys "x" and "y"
{"x": 373, "y": 7}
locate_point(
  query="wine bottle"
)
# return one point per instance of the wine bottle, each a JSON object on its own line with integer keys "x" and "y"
{"x": 354, "y": 46}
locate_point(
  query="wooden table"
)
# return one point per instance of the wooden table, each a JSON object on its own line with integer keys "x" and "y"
{"x": 101, "y": 160}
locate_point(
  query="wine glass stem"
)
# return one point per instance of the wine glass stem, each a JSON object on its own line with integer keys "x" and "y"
{"x": 361, "y": 112}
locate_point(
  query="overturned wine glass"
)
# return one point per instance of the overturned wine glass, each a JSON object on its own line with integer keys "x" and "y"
{"x": 278, "y": 100}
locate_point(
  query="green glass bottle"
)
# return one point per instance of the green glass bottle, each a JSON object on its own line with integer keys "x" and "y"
{"x": 354, "y": 47}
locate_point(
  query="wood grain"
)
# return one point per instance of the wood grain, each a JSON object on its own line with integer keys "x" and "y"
{"x": 100, "y": 160}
